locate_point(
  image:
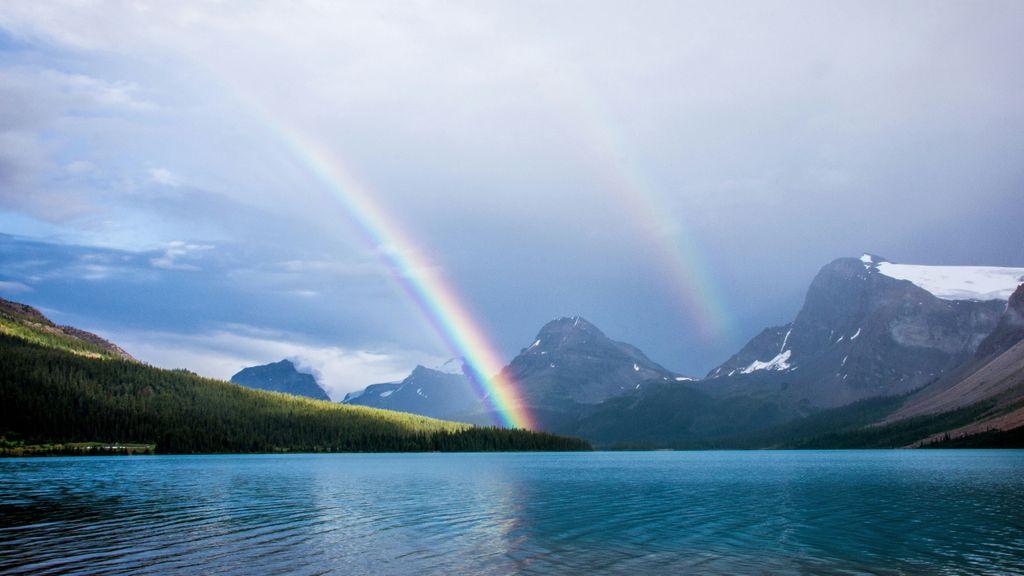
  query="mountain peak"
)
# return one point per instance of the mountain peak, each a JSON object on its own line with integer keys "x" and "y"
{"x": 569, "y": 325}
{"x": 425, "y": 391}
{"x": 451, "y": 366}
{"x": 871, "y": 259}
{"x": 575, "y": 322}
{"x": 574, "y": 362}
{"x": 280, "y": 376}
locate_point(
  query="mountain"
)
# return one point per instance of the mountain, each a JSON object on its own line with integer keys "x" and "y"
{"x": 994, "y": 379}
{"x": 425, "y": 391}
{"x": 870, "y": 335}
{"x": 280, "y": 377}
{"x": 1009, "y": 331}
{"x": 379, "y": 391}
{"x": 58, "y": 392}
{"x": 572, "y": 362}
{"x": 870, "y": 328}
{"x": 24, "y": 321}
{"x": 569, "y": 366}
{"x": 572, "y": 365}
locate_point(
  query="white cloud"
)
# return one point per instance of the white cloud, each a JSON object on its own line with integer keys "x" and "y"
{"x": 164, "y": 177}
{"x": 79, "y": 89}
{"x": 488, "y": 133}
{"x": 80, "y": 167}
{"x": 14, "y": 287}
{"x": 174, "y": 252}
{"x": 221, "y": 353}
{"x": 40, "y": 109}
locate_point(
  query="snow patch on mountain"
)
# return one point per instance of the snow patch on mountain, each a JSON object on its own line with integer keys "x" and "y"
{"x": 785, "y": 339}
{"x": 953, "y": 282}
{"x": 780, "y": 362}
{"x": 451, "y": 366}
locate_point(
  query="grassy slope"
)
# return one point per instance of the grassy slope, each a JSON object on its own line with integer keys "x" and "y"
{"x": 27, "y": 324}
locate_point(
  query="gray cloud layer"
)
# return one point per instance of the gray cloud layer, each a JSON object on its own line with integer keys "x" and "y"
{"x": 551, "y": 158}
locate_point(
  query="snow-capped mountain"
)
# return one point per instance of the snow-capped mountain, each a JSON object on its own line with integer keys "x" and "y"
{"x": 572, "y": 362}
{"x": 426, "y": 391}
{"x": 569, "y": 365}
{"x": 869, "y": 327}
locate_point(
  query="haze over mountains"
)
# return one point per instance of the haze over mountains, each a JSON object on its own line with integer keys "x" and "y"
{"x": 868, "y": 329}
{"x": 880, "y": 354}
{"x": 434, "y": 392}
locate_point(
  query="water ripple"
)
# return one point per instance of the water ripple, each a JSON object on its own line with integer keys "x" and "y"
{"x": 849, "y": 513}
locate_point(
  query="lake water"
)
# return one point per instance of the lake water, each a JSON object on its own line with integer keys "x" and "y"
{"x": 849, "y": 512}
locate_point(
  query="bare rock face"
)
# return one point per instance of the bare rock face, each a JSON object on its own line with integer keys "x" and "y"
{"x": 861, "y": 333}
{"x": 1010, "y": 329}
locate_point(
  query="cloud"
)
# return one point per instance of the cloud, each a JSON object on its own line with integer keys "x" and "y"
{"x": 10, "y": 287}
{"x": 176, "y": 251}
{"x": 38, "y": 106}
{"x": 223, "y": 352}
{"x": 80, "y": 167}
{"x": 508, "y": 145}
{"x": 164, "y": 177}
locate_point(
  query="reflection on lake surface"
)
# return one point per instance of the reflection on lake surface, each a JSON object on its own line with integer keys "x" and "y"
{"x": 851, "y": 512}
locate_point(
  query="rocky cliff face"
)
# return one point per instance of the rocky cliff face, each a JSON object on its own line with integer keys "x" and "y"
{"x": 994, "y": 375}
{"x": 1008, "y": 331}
{"x": 280, "y": 377}
{"x": 860, "y": 333}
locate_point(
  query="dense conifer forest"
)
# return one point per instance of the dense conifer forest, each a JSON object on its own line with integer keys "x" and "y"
{"x": 56, "y": 391}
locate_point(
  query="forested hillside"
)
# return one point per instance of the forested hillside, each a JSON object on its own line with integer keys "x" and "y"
{"x": 55, "y": 395}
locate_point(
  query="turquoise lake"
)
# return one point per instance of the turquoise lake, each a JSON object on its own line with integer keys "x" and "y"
{"x": 764, "y": 512}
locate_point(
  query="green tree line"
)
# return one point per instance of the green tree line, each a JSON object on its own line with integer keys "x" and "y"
{"x": 52, "y": 395}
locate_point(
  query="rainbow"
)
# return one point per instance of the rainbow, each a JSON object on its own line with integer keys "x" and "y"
{"x": 418, "y": 277}
{"x": 679, "y": 261}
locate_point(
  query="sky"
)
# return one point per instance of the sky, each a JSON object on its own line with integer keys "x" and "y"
{"x": 216, "y": 185}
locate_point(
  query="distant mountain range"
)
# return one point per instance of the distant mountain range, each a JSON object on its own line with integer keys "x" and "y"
{"x": 67, "y": 391}
{"x": 426, "y": 391}
{"x": 877, "y": 347}
{"x": 570, "y": 365}
{"x": 880, "y": 354}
